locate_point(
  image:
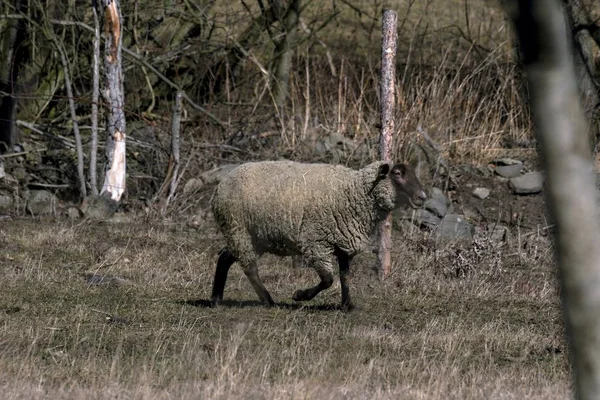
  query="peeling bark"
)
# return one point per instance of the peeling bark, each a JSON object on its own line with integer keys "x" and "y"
{"x": 114, "y": 181}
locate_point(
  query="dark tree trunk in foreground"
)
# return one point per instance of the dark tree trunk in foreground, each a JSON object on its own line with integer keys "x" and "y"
{"x": 388, "y": 75}
{"x": 572, "y": 195}
{"x": 114, "y": 181}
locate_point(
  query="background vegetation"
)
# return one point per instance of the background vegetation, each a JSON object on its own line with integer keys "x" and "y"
{"x": 118, "y": 310}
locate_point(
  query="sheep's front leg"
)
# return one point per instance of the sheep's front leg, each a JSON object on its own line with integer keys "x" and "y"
{"x": 324, "y": 270}
{"x": 344, "y": 263}
{"x": 251, "y": 270}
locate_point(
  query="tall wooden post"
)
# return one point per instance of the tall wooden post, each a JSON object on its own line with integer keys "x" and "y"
{"x": 388, "y": 80}
{"x": 572, "y": 195}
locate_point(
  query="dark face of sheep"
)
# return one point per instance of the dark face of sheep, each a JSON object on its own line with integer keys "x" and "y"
{"x": 406, "y": 185}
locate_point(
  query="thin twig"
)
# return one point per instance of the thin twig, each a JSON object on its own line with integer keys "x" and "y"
{"x": 22, "y": 153}
{"x": 63, "y": 140}
{"x": 67, "y": 77}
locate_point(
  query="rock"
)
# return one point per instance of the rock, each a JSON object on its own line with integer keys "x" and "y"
{"x": 509, "y": 171}
{"x": 530, "y": 183}
{"x": 41, "y": 202}
{"x": 454, "y": 227}
{"x": 338, "y": 141}
{"x": 497, "y": 232}
{"x": 426, "y": 218}
{"x": 506, "y": 161}
{"x": 20, "y": 174}
{"x": 6, "y": 202}
{"x": 481, "y": 193}
{"x": 437, "y": 203}
{"x": 215, "y": 175}
{"x": 73, "y": 213}
{"x": 99, "y": 207}
{"x": 337, "y": 145}
{"x": 193, "y": 185}
{"x": 2, "y": 172}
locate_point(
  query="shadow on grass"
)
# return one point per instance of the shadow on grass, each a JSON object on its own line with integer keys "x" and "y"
{"x": 255, "y": 303}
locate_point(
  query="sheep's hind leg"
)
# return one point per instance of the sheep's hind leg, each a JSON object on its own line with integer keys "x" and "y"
{"x": 251, "y": 270}
{"x": 323, "y": 268}
{"x": 344, "y": 263}
{"x": 226, "y": 259}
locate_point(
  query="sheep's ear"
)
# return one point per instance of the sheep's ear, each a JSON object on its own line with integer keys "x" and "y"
{"x": 383, "y": 171}
{"x": 399, "y": 172}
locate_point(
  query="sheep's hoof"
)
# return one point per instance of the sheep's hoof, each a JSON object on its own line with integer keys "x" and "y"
{"x": 349, "y": 308}
{"x": 215, "y": 302}
{"x": 299, "y": 295}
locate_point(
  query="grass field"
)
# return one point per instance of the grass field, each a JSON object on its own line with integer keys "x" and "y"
{"x": 494, "y": 330}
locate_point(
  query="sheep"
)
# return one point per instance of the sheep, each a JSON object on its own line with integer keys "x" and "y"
{"x": 310, "y": 210}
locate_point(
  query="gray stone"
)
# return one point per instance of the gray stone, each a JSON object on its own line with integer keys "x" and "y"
{"x": 454, "y": 227}
{"x": 509, "y": 171}
{"x": 497, "y": 232}
{"x": 437, "y": 203}
{"x": 41, "y": 202}
{"x": 73, "y": 213}
{"x": 215, "y": 175}
{"x": 338, "y": 141}
{"x": 426, "y": 218}
{"x": 20, "y": 174}
{"x": 2, "y": 172}
{"x": 6, "y": 202}
{"x": 193, "y": 185}
{"x": 481, "y": 193}
{"x": 99, "y": 208}
{"x": 530, "y": 183}
{"x": 506, "y": 161}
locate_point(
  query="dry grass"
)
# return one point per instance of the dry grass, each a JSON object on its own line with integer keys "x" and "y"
{"x": 495, "y": 332}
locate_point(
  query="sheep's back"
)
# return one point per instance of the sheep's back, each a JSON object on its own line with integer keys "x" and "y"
{"x": 279, "y": 202}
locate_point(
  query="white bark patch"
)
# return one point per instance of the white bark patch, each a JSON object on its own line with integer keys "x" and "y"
{"x": 114, "y": 182}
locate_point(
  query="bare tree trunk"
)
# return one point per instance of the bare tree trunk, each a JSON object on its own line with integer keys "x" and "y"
{"x": 572, "y": 196}
{"x": 388, "y": 77}
{"x": 11, "y": 37}
{"x": 175, "y": 141}
{"x": 114, "y": 181}
{"x": 586, "y": 36}
{"x": 283, "y": 50}
{"x": 95, "y": 96}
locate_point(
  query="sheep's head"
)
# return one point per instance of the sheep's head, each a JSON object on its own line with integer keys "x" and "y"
{"x": 397, "y": 185}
